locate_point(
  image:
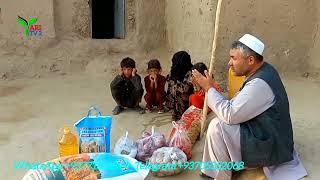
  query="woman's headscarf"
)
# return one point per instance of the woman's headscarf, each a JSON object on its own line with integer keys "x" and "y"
{"x": 181, "y": 64}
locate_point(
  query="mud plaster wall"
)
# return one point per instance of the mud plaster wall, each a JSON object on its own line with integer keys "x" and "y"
{"x": 64, "y": 11}
{"x": 189, "y": 27}
{"x": 74, "y": 16}
{"x": 145, "y": 23}
{"x": 11, "y": 29}
{"x": 130, "y": 11}
{"x": 71, "y": 50}
{"x": 290, "y": 32}
{"x": 314, "y": 65}
{"x": 151, "y": 26}
{"x": 284, "y": 26}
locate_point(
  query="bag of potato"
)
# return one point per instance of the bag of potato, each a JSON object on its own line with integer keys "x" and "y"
{"x": 148, "y": 144}
{"x": 126, "y": 146}
{"x": 181, "y": 140}
{"x": 167, "y": 161}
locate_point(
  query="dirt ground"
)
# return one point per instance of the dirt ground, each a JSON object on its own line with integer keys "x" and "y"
{"x": 33, "y": 110}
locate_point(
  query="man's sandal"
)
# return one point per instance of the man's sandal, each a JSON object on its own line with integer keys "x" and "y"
{"x": 204, "y": 176}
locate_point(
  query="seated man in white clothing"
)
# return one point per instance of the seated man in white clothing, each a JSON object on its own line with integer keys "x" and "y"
{"x": 255, "y": 126}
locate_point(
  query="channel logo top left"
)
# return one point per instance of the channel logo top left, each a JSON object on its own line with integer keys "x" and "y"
{"x": 30, "y": 26}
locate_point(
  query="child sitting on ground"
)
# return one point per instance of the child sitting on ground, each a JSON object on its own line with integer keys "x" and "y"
{"x": 126, "y": 88}
{"x": 197, "y": 99}
{"x": 155, "y": 87}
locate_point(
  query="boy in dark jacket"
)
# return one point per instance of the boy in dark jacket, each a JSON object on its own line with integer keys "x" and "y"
{"x": 126, "y": 88}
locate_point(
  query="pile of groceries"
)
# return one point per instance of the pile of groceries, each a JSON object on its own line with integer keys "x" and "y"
{"x": 87, "y": 154}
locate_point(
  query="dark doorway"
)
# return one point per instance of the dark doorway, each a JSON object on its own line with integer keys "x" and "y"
{"x": 107, "y": 19}
{"x": 102, "y": 19}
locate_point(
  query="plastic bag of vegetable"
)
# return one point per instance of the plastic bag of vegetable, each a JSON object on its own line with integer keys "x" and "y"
{"x": 181, "y": 140}
{"x": 126, "y": 146}
{"x": 148, "y": 144}
{"x": 191, "y": 121}
{"x": 167, "y": 161}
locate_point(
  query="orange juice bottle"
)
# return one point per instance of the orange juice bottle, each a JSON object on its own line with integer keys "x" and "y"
{"x": 68, "y": 144}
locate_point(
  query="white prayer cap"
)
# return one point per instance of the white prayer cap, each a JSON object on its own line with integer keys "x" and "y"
{"x": 253, "y": 43}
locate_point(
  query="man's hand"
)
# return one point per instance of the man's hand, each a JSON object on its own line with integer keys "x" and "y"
{"x": 205, "y": 82}
{"x": 134, "y": 71}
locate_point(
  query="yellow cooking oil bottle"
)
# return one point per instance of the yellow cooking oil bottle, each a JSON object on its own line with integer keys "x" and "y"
{"x": 234, "y": 83}
{"x": 68, "y": 143}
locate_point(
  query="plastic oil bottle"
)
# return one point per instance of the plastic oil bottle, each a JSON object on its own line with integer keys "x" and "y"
{"x": 234, "y": 83}
{"x": 68, "y": 143}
